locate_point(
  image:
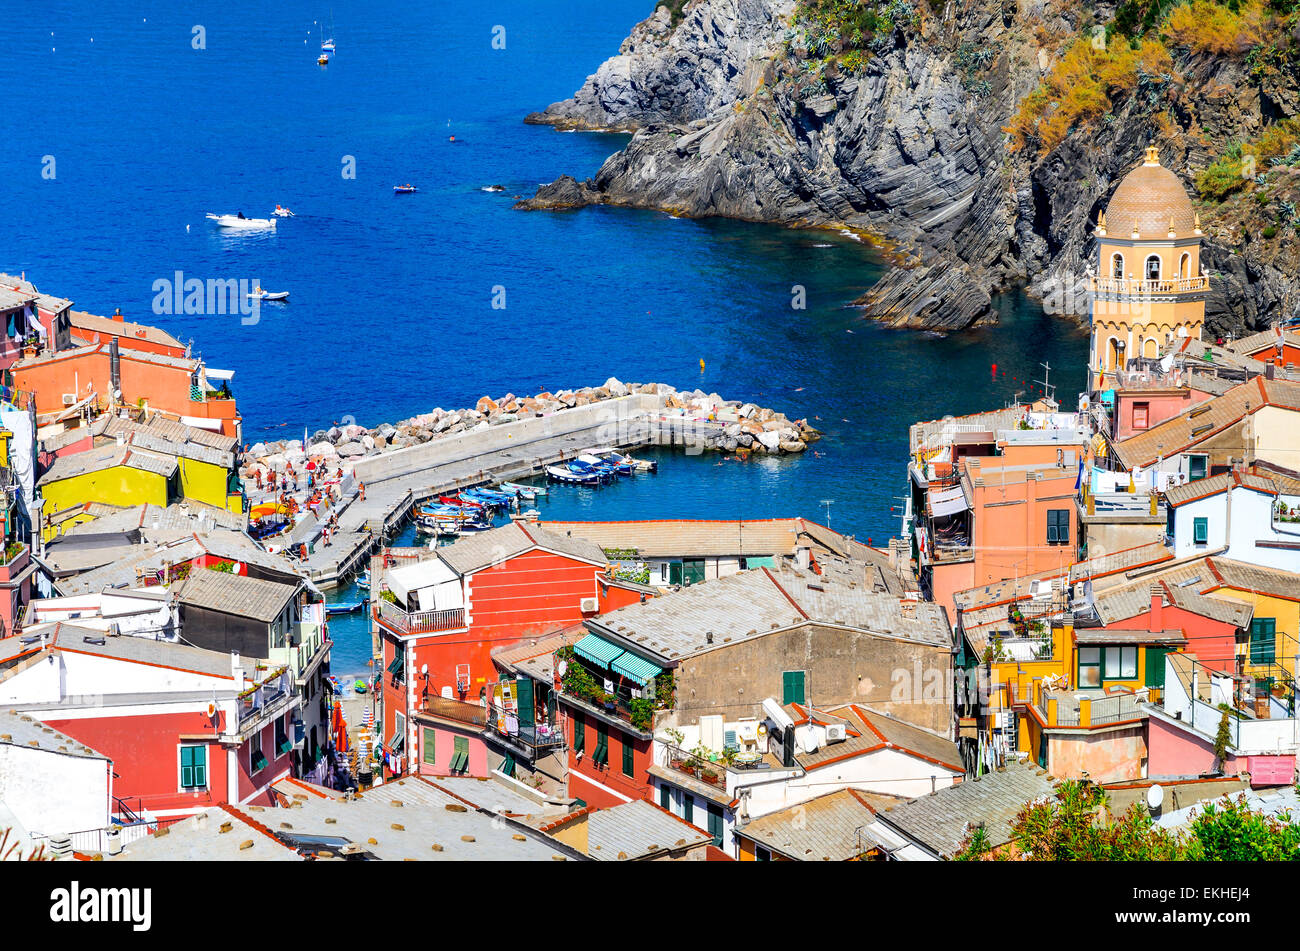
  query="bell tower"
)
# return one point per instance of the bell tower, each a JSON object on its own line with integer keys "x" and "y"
{"x": 1148, "y": 289}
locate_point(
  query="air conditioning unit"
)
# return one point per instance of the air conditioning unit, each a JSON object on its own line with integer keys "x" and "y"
{"x": 69, "y": 399}
{"x": 836, "y": 733}
{"x": 747, "y": 730}
{"x": 588, "y": 606}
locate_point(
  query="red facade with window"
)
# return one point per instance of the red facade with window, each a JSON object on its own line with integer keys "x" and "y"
{"x": 622, "y": 777}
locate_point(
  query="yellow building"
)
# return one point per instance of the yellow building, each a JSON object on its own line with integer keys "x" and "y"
{"x": 206, "y": 461}
{"x": 116, "y": 475}
{"x": 1149, "y": 288}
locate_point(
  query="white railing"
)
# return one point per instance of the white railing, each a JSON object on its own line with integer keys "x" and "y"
{"x": 1133, "y": 286}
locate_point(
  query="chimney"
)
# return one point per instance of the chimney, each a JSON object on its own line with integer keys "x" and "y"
{"x": 241, "y": 680}
{"x": 117, "y": 315}
{"x": 1157, "y": 610}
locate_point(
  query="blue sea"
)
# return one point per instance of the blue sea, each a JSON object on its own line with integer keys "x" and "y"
{"x": 155, "y": 116}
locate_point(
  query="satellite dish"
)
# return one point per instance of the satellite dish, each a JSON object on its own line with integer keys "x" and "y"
{"x": 424, "y": 669}
{"x": 212, "y": 708}
{"x": 762, "y": 730}
{"x": 562, "y": 667}
{"x": 1155, "y": 796}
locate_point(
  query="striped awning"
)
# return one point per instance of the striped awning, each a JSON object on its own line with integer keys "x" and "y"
{"x": 636, "y": 668}
{"x": 597, "y": 650}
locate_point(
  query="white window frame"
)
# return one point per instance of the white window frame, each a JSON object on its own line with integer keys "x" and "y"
{"x": 207, "y": 770}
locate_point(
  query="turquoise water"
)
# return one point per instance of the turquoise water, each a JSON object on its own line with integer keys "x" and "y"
{"x": 391, "y": 297}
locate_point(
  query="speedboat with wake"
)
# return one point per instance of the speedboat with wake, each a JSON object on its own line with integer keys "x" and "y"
{"x": 239, "y": 221}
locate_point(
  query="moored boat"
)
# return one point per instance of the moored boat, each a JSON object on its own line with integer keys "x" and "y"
{"x": 523, "y": 489}
{"x": 568, "y": 476}
{"x": 407, "y": 189}
{"x": 240, "y": 222}
{"x": 344, "y": 607}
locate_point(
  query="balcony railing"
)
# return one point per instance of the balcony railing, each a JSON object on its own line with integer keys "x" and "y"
{"x": 311, "y": 639}
{"x": 267, "y": 699}
{"x": 460, "y": 710}
{"x": 417, "y": 622}
{"x": 545, "y": 733}
{"x": 1177, "y": 285}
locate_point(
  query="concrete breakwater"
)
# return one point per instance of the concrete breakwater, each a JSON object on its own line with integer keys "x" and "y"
{"x": 613, "y": 414}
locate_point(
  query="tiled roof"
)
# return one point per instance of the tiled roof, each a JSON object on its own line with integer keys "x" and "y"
{"x": 21, "y": 729}
{"x": 1206, "y": 419}
{"x": 874, "y": 731}
{"x": 9, "y": 299}
{"x": 107, "y": 457}
{"x": 518, "y": 656}
{"x": 214, "y": 835}
{"x": 179, "y": 518}
{"x": 49, "y": 302}
{"x": 750, "y": 604}
{"x": 638, "y": 829}
{"x": 669, "y": 537}
{"x": 940, "y": 820}
{"x": 1134, "y": 600}
{"x": 92, "y": 323}
{"x": 936, "y": 433}
{"x": 168, "y": 437}
{"x": 826, "y": 829}
{"x": 1255, "y": 578}
{"x": 1101, "y": 635}
{"x": 1203, "y": 488}
{"x": 484, "y": 549}
{"x": 1265, "y": 339}
{"x": 64, "y": 636}
{"x": 235, "y": 594}
{"x": 1125, "y": 559}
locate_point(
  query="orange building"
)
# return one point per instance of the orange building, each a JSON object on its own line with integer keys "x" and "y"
{"x": 175, "y": 386}
{"x": 89, "y": 328}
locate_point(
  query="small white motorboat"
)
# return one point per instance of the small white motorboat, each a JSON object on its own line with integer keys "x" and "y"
{"x": 282, "y": 212}
{"x": 259, "y": 294}
{"x": 239, "y": 221}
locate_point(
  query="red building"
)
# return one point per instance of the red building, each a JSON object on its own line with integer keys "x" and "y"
{"x": 185, "y": 728}
{"x": 450, "y": 608}
{"x": 1213, "y": 627}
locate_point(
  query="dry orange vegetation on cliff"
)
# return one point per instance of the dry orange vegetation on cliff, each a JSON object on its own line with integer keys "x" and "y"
{"x": 1082, "y": 87}
{"x": 1204, "y": 26}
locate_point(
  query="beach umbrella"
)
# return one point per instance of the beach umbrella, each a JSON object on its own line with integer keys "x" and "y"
{"x": 311, "y": 466}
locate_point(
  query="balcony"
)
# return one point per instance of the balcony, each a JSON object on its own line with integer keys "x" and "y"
{"x": 396, "y": 619}
{"x": 461, "y": 711}
{"x": 1085, "y": 710}
{"x": 1144, "y": 288}
{"x": 303, "y": 660}
{"x": 262, "y": 704}
{"x": 17, "y": 557}
{"x": 544, "y": 734}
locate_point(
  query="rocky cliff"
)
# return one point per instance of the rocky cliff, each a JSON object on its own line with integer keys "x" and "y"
{"x": 976, "y": 140}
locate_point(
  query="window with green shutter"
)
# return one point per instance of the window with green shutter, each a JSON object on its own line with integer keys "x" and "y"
{"x": 1155, "y": 660}
{"x": 194, "y": 767}
{"x": 1196, "y": 467}
{"x": 579, "y": 733}
{"x": 792, "y": 687}
{"x": 507, "y": 767}
{"x": 628, "y": 767}
{"x": 460, "y": 755}
{"x": 282, "y": 742}
{"x": 665, "y": 797}
{"x": 430, "y": 752}
{"x": 524, "y": 695}
{"x": 688, "y": 807}
{"x": 715, "y": 823}
{"x": 1200, "y": 531}
{"x": 1263, "y": 640}
{"x": 256, "y": 761}
{"x": 1058, "y": 526}
{"x": 600, "y": 755}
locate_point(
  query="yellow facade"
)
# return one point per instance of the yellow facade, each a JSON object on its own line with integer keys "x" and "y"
{"x": 1149, "y": 290}
{"x": 207, "y": 483}
{"x": 118, "y": 485}
{"x": 1285, "y": 613}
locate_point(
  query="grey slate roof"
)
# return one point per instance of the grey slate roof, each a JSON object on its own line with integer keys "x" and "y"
{"x": 234, "y": 594}
{"x": 106, "y": 457}
{"x": 484, "y": 549}
{"x": 1239, "y": 574}
{"x": 638, "y": 829}
{"x": 826, "y": 829}
{"x": 939, "y": 821}
{"x": 1120, "y": 603}
{"x": 171, "y": 438}
{"x": 155, "y": 521}
{"x": 62, "y": 635}
{"x": 200, "y": 839}
{"x": 753, "y": 603}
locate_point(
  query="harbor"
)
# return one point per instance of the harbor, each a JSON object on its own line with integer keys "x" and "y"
{"x": 489, "y": 454}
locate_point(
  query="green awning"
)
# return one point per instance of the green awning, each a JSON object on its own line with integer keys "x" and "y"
{"x": 636, "y": 668}
{"x": 760, "y": 561}
{"x": 597, "y": 650}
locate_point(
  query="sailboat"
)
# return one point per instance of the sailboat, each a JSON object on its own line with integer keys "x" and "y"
{"x": 327, "y": 46}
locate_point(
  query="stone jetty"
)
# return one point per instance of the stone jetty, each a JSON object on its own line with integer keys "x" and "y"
{"x": 739, "y": 427}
